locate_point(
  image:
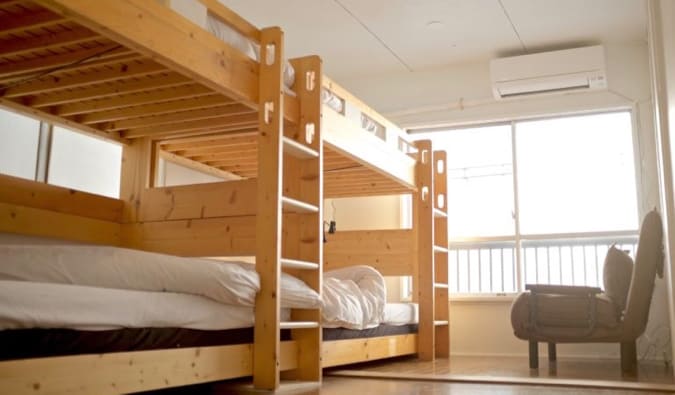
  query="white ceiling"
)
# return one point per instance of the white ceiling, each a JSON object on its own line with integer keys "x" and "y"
{"x": 357, "y": 38}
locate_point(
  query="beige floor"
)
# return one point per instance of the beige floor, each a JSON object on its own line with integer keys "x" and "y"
{"x": 469, "y": 375}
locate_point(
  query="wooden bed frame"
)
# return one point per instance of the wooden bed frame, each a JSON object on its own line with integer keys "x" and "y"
{"x": 102, "y": 70}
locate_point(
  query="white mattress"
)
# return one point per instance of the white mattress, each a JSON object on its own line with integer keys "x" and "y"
{"x": 235, "y": 283}
{"x": 401, "y": 314}
{"x": 41, "y": 305}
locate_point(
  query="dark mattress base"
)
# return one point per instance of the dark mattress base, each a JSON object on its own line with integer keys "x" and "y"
{"x": 34, "y": 343}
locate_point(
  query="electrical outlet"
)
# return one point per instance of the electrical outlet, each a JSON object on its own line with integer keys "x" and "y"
{"x": 332, "y": 227}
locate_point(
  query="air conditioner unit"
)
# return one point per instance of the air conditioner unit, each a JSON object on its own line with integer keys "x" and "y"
{"x": 578, "y": 69}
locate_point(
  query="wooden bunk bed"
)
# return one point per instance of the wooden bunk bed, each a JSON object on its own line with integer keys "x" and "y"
{"x": 135, "y": 72}
{"x": 190, "y": 97}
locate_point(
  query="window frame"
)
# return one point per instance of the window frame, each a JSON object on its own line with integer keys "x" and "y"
{"x": 518, "y": 237}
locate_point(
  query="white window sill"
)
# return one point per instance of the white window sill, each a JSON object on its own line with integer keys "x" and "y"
{"x": 484, "y": 298}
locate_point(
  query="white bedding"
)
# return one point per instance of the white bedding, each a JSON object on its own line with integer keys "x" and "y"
{"x": 40, "y": 305}
{"x": 227, "y": 34}
{"x": 401, "y": 314}
{"x": 353, "y": 297}
{"x": 235, "y": 283}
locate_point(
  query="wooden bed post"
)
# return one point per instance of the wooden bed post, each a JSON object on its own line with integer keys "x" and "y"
{"x": 441, "y": 280}
{"x": 424, "y": 229}
{"x": 303, "y": 182}
{"x": 136, "y": 169}
{"x": 268, "y": 221}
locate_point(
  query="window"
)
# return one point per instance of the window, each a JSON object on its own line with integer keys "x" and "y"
{"x": 574, "y": 184}
{"x": 19, "y": 137}
{"x": 85, "y": 163}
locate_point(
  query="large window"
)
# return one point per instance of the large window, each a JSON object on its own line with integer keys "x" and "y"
{"x": 18, "y": 145}
{"x": 42, "y": 152}
{"x": 538, "y": 201}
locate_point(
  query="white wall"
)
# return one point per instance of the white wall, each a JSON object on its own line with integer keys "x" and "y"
{"x": 462, "y": 95}
{"x": 18, "y": 144}
{"x": 171, "y": 174}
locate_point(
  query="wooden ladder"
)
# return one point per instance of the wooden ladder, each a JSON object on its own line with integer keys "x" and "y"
{"x": 431, "y": 229}
{"x": 289, "y": 224}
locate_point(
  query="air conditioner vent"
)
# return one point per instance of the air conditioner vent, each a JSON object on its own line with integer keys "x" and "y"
{"x": 580, "y": 69}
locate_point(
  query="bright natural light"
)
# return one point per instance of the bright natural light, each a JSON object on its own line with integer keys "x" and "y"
{"x": 480, "y": 180}
{"x": 18, "y": 144}
{"x": 85, "y": 163}
{"x": 576, "y": 174}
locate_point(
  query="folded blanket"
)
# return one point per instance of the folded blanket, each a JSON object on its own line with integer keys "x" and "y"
{"x": 233, "y": 283}
{"x": 353, "y": 297}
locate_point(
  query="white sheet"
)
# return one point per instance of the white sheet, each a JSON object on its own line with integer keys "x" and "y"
{"x": 401, "y": 314}
{"x": 354, "y": 297}
{"x": 40, "y": 305}
{"x": 243, "y": 44}
{"x": 235, "y": 283}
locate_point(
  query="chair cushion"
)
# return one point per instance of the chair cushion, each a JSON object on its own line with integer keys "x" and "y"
{"x": 617, "y": 275}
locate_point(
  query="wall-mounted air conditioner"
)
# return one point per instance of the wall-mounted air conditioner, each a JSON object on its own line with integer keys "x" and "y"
{"x": 578, "y": 69}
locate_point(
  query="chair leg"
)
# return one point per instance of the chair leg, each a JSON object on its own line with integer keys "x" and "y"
{"x": 628, "y": 356}
{"x": 534, "y": 355}
{"x": 552, "y": 356}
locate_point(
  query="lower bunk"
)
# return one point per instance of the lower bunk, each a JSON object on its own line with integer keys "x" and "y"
{"x": 67, "y": 327}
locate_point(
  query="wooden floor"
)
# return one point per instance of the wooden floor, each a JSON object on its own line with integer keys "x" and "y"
{"x": 469, "y": 375}
{"x": 353, "y": 386}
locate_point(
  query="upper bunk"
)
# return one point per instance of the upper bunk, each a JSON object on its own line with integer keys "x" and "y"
{"x": 194, "y": 95}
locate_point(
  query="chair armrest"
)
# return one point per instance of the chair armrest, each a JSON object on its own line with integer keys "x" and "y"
{"x": 562, "y": 289}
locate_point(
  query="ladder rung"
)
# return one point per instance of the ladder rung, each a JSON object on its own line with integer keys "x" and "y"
{"x": 440, "y": 323}
{"x": 299, "y": 325}
{"x": 440, "y": 285}
{"x": 438, "y": 213}
{"x": 297, "y": 206}
{"x": 297, "y": 264}
{"x": 440, "y": 249}
{"x": 298, "y": 150}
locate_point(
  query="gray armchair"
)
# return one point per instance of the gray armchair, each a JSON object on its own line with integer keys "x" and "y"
{"x": 570, "y": 314}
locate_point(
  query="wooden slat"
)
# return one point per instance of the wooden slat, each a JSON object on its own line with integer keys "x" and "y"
{"x": 183, "y": 46}
{"x": 46, "y": 41}
{"x": 48, "y": 62}
{"x": 219, "y": 199}
{"x": 108, "y": 90}
{"x": 153, "y": 109}
{"x": 342, "y": 352}
{"x": 31, "y": 20}
{"x": 39, "y": 195}
{"x": 194, "y": 237}
{"x": 206, "y": 113}
{"x": 122, "y": 101}
{"x": 207, "y": 143}
{"x": 392, "y": 252}
{"x": 126, "y": 372}
{"x": 45, "y": 223}
{"x": 237, "y": 120}
{"x": 113, "y": 73}
{"x": 220, "y": 149}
